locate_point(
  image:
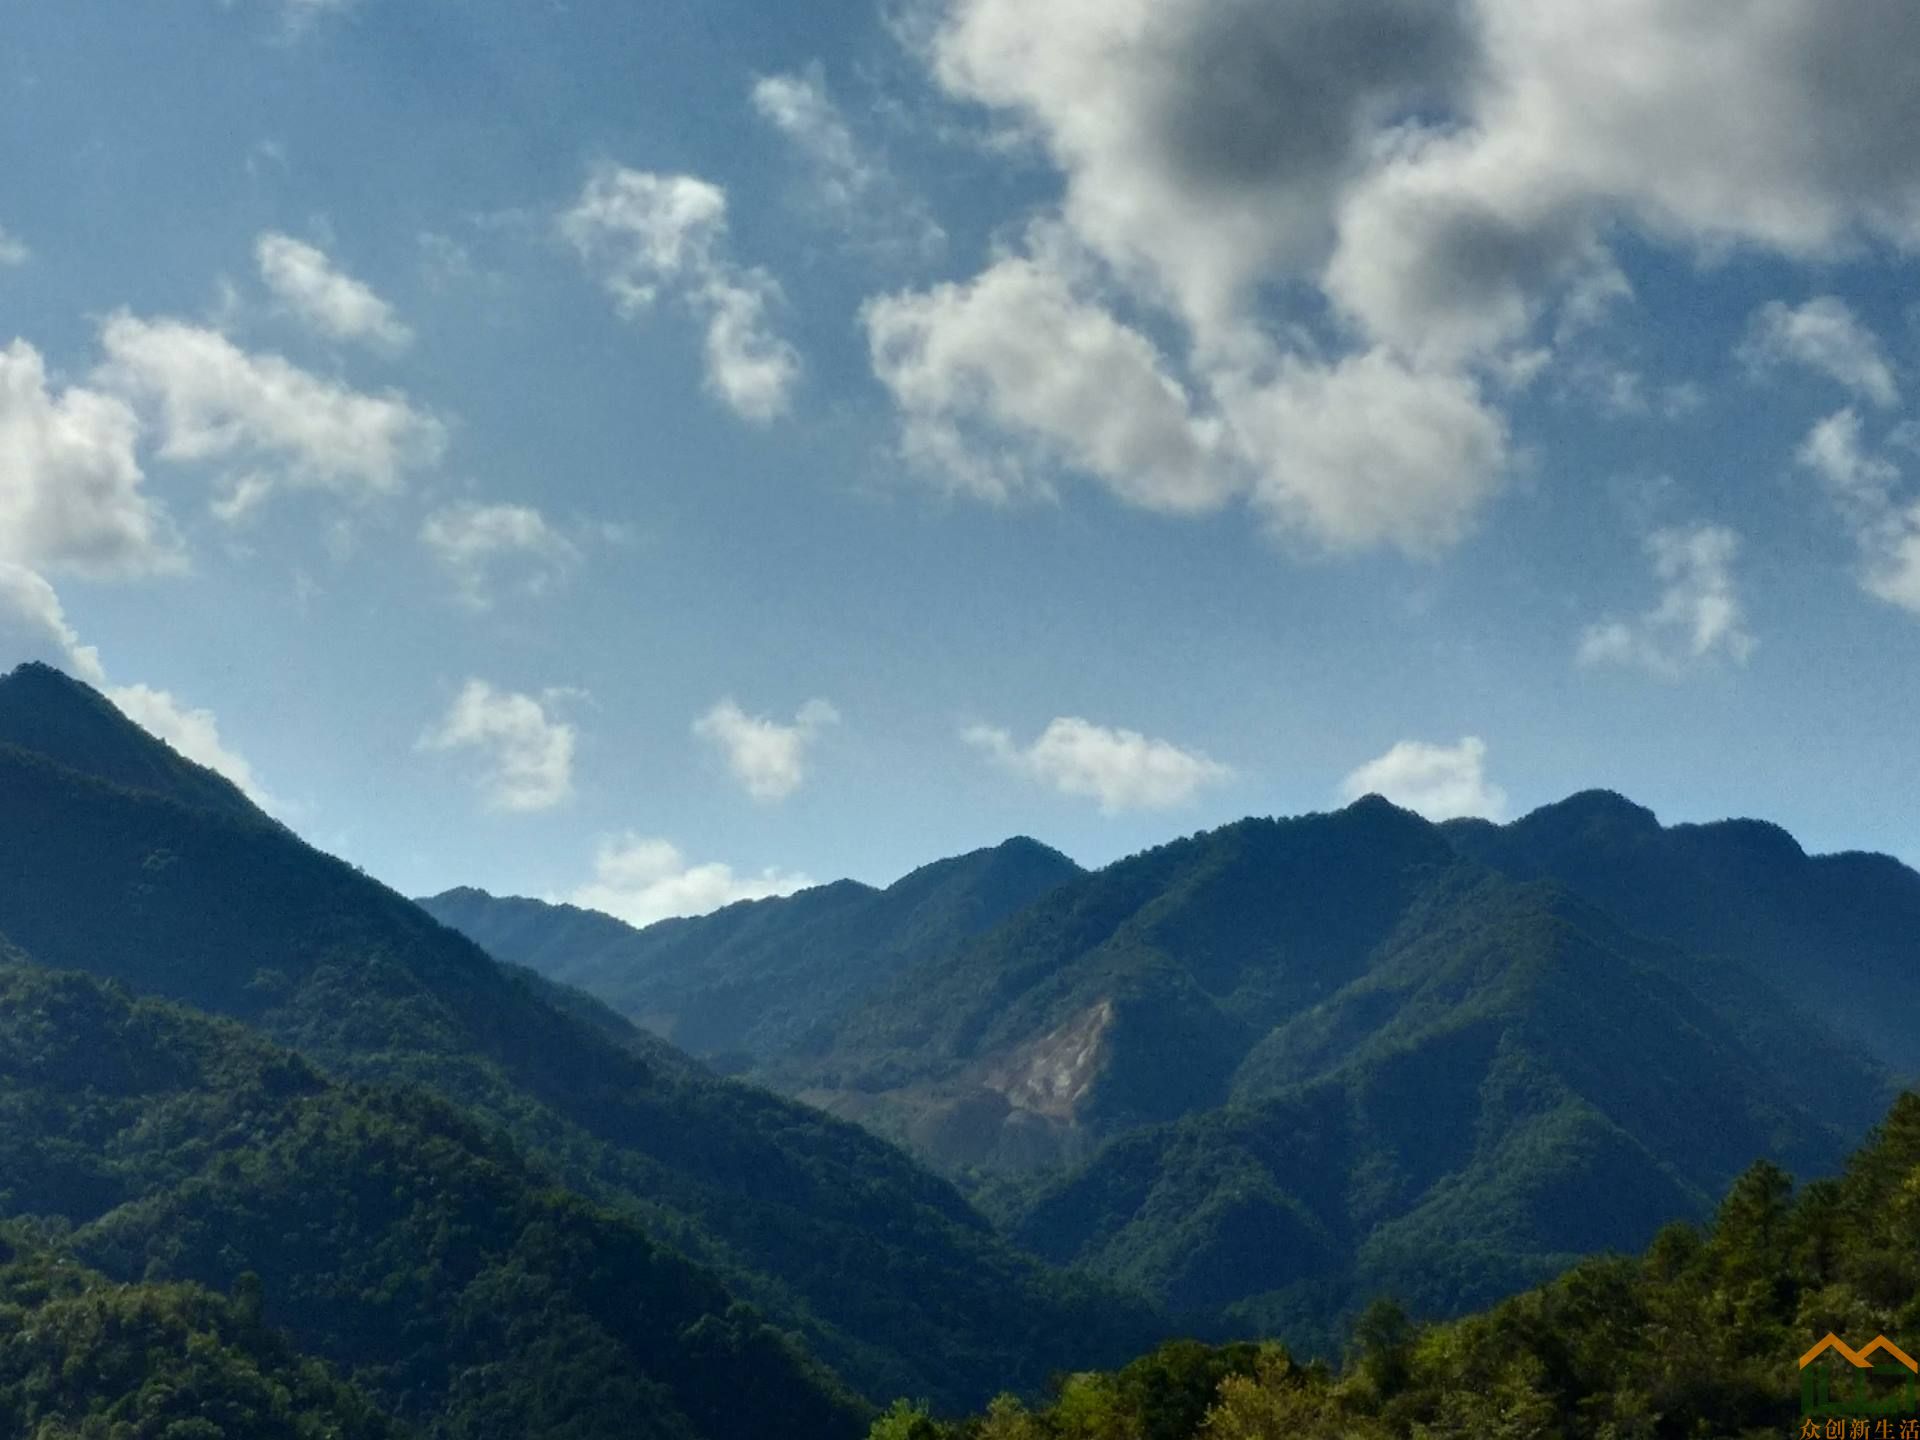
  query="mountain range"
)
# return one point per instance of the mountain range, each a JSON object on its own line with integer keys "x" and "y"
{"x": 466, "y": 1168}
{"x": 120, "y": 860}
{"x": 1273, "y": 1069}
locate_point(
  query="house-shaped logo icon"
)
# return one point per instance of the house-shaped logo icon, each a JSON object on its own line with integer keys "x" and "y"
{"x": 1859, "y": 1359}
{"x": 1854, "y": 1392}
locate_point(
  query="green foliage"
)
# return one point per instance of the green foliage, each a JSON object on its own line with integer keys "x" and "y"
{"x": 386, "y": 1232}
{"x": 881, "y": 1269}
{"x": 1698, "y": 1337}
{"x": 760, "y": 977}
{"x": 84, "y": 1359}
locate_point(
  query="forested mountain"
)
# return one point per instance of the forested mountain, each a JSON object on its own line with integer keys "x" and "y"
{"x": 82, "y": 1358}
{"x": 1276, "y": 1068}
{"x": 1699, "y": 1336}
{"x": 745, "y": 984}
{"x": 883, "y": 1269}
{"x": 388, "y": 1234}
{"x": 1839, "y": 933}
{"x": 43, "y": 711}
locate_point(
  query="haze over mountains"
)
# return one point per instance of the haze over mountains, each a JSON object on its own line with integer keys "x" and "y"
{"x": 1277, "y": 1067}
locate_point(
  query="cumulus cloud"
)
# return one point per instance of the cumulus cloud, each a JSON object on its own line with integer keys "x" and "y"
{"x": 1866, "y": 490}
{"x": 34, "y": 626}
{"x": 1698, "y": 614}
{"x": 13, "y": 250}
{"x": 1823, "y": 335}
{"x": 195, "y": 733}
{"x": 1363, "y": 451}
{"x": 474, "y": 543}
{"x": 641, "y": 880}
{"x": 525, "y": 754}
{"x": 850, "y": 184}
{"x": 1772, "y": 126}
{"x": 645, "y": 234}
{"x": 71, "y": 487}
{"x": 207, "y": 399}
{"x": 769, "y": 759}
{"x": 1441, "y": 782}
{"x": 1016, "y": 350}
{"x": 1421, "y": 195}
{"x": 1369, "y": 450}
{"x": 332, "y": 302}
{"x": 1121, "y": 769}
{"x": 1204, "y": 142}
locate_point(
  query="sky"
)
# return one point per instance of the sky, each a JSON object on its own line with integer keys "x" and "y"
{"x": 660, "y": 455}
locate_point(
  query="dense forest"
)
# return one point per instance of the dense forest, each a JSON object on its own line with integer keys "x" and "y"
{"x": 1698, "y": 1336}
{"x": 883, "y": 1269}
{"x": 281, "y": 1154}
{"x": 388, "y": 1233}
{"x": 86, "y": 1359}
{"x": 1267, "y": 1071}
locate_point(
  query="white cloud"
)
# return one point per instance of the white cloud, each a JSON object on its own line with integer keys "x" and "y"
{"x": 340, "y": 307}
{"x": 1431, "y": 187}
{"x": 644, "y": 235}
{"x": 641, "y": 880}
{"x": 1698, "y": 614}
{"x": 1368, "y": 450}
{"x": 13, "y": 250}
{"x": 71, "y": 495}
{"x": 526, "y": 754}
{"x": 210, "y": 400}
{"x": 1441, "y": 782}
{"x": 1823, "y": 335}
{"x": 1018, "y": 351}
{"x": 471, "y": 542}
{"x": 1204, "y": 142}
{"x": 1774, "y": 125}
{"x": 766, "y": 757}
{"x": 195, "y": 733}
{"x": 850, "y": 184}
{"x": 1121, "y": 769}
{"x": 1864, "y": 487}
{"x": 33, "y": 626}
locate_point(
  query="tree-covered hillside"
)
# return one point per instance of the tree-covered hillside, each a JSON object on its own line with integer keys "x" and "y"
{"x": 1839, "y": 933}
{"x": 1493, "y": 1099}
{"x": 884, "y": 1269}
{"x": 1267, "y": 1071}
{"x": 755, "y": 979}
{"x": 82, "y": 1358}
{"x": 1698, "y": 1336}
{"x": 389, "y": 1235}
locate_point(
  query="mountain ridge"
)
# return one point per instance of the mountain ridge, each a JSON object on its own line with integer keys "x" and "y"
{"x": 242, "y": 918}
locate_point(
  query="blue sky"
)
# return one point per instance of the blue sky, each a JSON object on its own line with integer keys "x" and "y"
{"x": 656, "y": 455}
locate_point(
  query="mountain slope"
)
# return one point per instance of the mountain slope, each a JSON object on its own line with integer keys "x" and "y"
{"x": 81, "y": 1356}
{"x": 1698, "y": 1336}
{"x": 1513, "y": 1083}
{"x": 44, "y": 711}
{"x": 1288, "y": 1063}
{"x": 1840, "y": 933}
{"x": 1123, "y": 998}
{"x": 756, "y": 978}
{"x": 886, "y": 1272}
{"x": 384, "y": 1231}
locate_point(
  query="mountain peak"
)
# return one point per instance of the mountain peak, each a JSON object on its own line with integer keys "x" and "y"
{"x": 1594, "y": 807}
{"x": 48, "y": 712}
